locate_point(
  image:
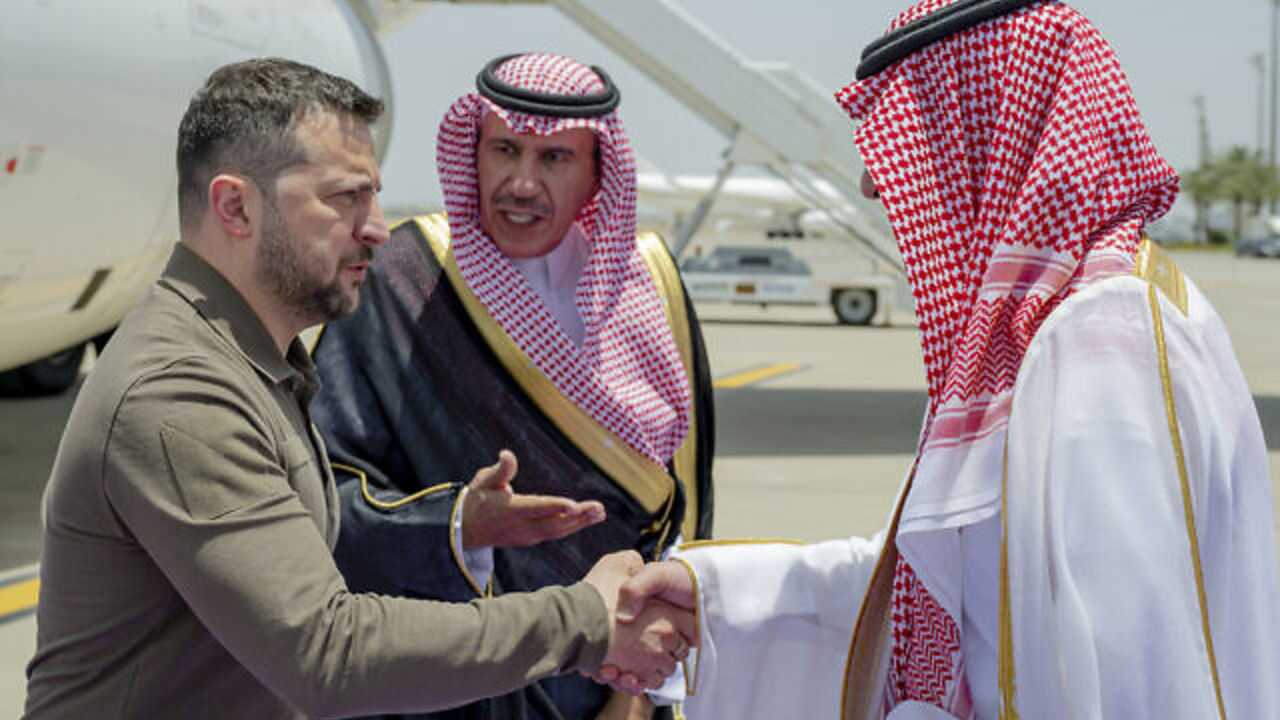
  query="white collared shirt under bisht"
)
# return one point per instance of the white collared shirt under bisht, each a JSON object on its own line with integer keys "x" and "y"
{"x": 1105, "y": 622}
{"x": 554, "y": 277}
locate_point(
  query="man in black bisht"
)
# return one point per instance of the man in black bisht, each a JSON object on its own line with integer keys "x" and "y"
{"x": 532, "y": 319}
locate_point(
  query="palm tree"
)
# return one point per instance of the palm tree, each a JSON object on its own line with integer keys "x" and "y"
{"x": 1202, "y": 185}
{"x": 1240, "y": 177}
{"x": 1245, "y": 179}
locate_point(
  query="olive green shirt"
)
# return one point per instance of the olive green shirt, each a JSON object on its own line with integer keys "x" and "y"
{"x": 188, "y": 526}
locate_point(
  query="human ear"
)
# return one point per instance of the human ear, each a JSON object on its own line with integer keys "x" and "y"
{"x": 867, "y": 186}
{"x": 229, "y": 204}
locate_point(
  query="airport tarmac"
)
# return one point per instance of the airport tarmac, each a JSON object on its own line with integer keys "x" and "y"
{"x": 816, "y": 424}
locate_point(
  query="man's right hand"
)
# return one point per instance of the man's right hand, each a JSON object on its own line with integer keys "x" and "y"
{"x": 658, "y": 599}
{"x": 644, "y": 650}
{"x": 495, "y": 515}
{"x": 669, "y": 581}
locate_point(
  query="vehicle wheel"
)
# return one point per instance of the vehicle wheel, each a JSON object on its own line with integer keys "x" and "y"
{"x": 854, "y": 307}
{"x": 49, "y": 376}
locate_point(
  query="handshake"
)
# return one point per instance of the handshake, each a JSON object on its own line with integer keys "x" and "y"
{"x": 654, "y": 621}
{"x": 651, "y": 606}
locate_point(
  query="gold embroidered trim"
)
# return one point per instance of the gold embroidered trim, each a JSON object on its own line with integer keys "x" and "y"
{"x": 433, "y": 490}
{"x": 1155, "y": 266}
{"x": 1008, "y": 686}
{"x": 648, "y": 483}
{"x": 457, "y": 551}
{"x": 1166, "y": 382}
{"x": 695, "y": 544}
{"x": 663, "y": 527}
{"x": 383, "y": 504}
{"x": 691, "y": 685}
{"x": 866, "y": 648}
{"x": 666, "y": 279}
{"x": 315, "y": 341}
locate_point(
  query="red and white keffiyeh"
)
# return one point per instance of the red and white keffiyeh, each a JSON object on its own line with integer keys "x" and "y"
{"x": 1014, "y": 168}
{"x": 627, "y": 374}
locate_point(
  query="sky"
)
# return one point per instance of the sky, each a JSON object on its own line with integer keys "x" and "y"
{"x": 1172, "y": 51}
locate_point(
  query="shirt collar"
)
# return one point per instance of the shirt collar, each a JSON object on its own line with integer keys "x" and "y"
{"x": 566, "y": 260}
{"x": 230, "y": 315}
{"x": 559, "y": 269}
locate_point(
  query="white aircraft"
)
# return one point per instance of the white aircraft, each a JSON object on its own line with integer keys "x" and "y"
{"x": 91, "y": 93}
{"x": 90, "y": 97}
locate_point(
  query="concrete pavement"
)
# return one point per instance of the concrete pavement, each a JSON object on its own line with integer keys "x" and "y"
{"x": 812, "y": 452}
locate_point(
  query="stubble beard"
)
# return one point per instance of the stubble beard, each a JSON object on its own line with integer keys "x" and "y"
{"x": 283, "y": 271}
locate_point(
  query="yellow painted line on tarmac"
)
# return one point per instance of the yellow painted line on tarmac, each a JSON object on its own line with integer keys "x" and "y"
{"x": 18, "y": 597}
{"x": 748, "y": 377}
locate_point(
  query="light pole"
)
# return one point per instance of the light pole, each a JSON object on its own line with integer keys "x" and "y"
{"x": 1258, "y": 60}
{"x": 1202, "y": 215}
{"x": 1271, "y": 148}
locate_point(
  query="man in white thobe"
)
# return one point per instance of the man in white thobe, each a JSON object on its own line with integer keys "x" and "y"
{"x": 1087, "y": 529}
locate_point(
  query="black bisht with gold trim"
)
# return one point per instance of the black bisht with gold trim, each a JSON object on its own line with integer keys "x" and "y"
{"x": 422, "y": 388}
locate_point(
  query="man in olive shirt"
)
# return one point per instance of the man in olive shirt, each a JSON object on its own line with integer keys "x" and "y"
{"x": 190, "y": 516}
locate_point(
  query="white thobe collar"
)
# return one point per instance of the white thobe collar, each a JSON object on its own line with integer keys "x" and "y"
{"x": 554, "y": 276}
